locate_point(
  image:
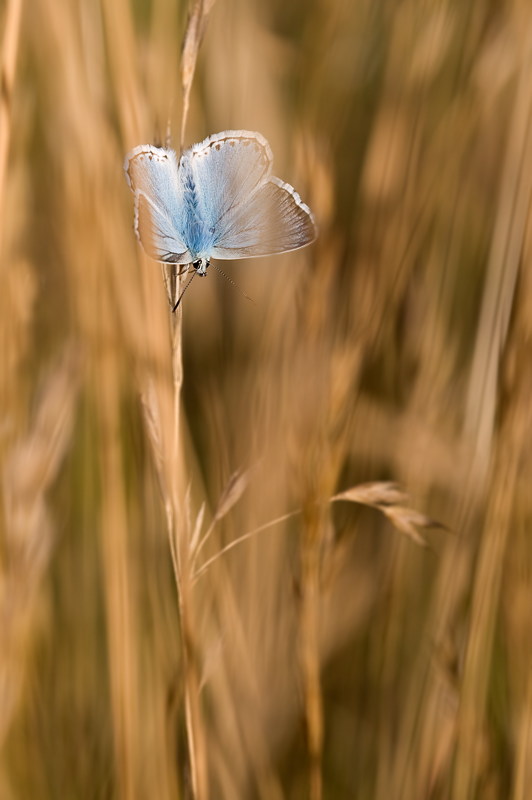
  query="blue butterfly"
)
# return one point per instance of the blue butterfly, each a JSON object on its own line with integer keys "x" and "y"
{"x": 219, "y": 200}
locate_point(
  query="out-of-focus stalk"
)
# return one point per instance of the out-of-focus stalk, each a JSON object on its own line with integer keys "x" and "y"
{"x": 7, "y": 80}
{"x": 311, "y": 545}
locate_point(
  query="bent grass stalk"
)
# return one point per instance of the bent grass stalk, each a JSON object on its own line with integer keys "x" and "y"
{"x": 170, "y": 480}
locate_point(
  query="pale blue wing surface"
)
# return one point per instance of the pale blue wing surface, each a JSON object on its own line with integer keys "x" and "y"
{"x": 274, "y": 220}
{"x": 226, "y": 169}
{"x": 157, "y": 234}
{"x": 247, "y": 211}
{"x": 152, "y": 175}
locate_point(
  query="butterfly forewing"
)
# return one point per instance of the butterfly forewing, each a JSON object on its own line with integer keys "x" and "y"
{"x": 152, "y": 174}
{"x": 227, "y": 168}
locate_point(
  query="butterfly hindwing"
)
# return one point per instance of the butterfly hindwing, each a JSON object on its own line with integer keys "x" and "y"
{"x": 274, "y": 220}
{"x": 157, "y": 234}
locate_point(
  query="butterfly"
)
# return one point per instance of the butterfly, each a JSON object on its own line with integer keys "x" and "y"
{"x": 218, "y": 200}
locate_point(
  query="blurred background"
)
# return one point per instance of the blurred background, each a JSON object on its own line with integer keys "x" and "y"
{"x": 335, "y": 654}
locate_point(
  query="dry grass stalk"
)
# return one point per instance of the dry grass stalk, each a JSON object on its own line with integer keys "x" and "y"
{"x": 309, "y": 645}
{"x": 152, "y": 422}
{"x": 122, "y": 56}
{"x": 29, "y": 472}
{"x": 195, "y": 31}
{"x": 91, "y": 263}
{"x": 232, "y": 493}
{"x": 245, "y": 537}
{"x": 487, "y": 588}
{"x": 524, "y": 745}
{"x": 506, "y": 249}
{"x": 161, "y": 406}
{"x": 8, "y": 64}
{"x": 506, "y": 466}
{"x": 376, "y": 494}
{"x": 387, "y": 497}
{"x": 118, "y": 589}
{"x": 384, "y": 496}
{"x": 181, "y": 538}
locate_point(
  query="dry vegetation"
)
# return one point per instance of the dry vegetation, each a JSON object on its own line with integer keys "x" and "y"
{"x": 346, "y": 647}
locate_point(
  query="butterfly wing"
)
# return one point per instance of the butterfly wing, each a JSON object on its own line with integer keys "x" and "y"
{"x": 152, "y": 175}
{"x": 226, "y": 168}
{"x": 274, "y": 220}
{"x": 251, "y": 212}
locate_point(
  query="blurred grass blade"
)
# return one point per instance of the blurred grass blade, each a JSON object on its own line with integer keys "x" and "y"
{"x": 504, "y": 259}
{"x": 406, "y": 520}
{"x": 387, "y": 497}
{"x": 197, "y": 529}
{"x": 28, "y": 474}
{"x": 204, "y": 567}
{"x": 232, "y": 493}
{"x": 194, "y": 33}
{"x": 7, "y": 79}
{"x": 373, "y": 494}
{"x": 235, "y": 488}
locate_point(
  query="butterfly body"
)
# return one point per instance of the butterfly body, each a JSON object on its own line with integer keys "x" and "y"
{"x": 200, "y": 265}
{"x": 219, "y": 200}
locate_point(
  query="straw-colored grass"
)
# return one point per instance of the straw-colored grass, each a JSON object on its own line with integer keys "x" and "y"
{"x": 277, "y": 550}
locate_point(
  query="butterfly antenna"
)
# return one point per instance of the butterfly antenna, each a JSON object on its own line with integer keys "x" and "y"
{"x": 183, "y": 292}
{"x": 231, "y": 281}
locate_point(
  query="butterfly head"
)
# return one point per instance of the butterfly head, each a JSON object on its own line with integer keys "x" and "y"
{"x": 200, "y": 265}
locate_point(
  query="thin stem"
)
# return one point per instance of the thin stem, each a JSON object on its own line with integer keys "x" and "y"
{"x": 310, "y": 651}
{"x": 241, "y": 539}
{"x": 196, "y": 550}
{"x": 181, "y": 561}
{"x": 7, "y": 79}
